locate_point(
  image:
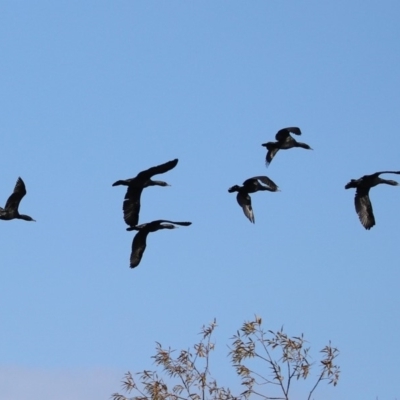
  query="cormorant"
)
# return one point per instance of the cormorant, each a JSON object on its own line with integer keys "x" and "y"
{"x": 362, "y": 201}
{"x": 139, "y": 241}
{"x": 10, "y": 211}
{"x": 284, "y": 142}
{"x": 252, "y": 185}
{"x": 131, "y": 205}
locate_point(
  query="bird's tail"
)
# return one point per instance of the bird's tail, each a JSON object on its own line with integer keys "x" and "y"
{"x": 269, "y": 145}
{"x": 118, "y": 183}
{"x": 351, "y": 184}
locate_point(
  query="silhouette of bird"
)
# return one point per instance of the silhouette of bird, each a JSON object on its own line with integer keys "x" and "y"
{"x": 362, "y": 201}
{"x": 10, "y": 211}
{"x": 139, "y": 241}
{"x": 252, "y": 185}
{"x": 131, "y": 205}
{"x": 284, "y": 142}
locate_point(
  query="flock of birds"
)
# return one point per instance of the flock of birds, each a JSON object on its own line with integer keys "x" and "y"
{"x": 285, "y": 141}
{"x": 131, "y": 208}
{"x": 131, "y": 204}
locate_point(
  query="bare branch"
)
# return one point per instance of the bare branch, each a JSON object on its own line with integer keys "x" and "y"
{"x": 188, "y": 371}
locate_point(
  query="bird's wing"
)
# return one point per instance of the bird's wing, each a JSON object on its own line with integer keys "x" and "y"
{"x": 16, "y": 197}
{"x": 269, "y": 182}
{"x": 386, "y": 172}
{"x": 138, "y": 248}
{"x": 131, "y": 205}
{"x": 284, "y": 133}
{"x": 271, "y": 154}
{"x": 364, "y": 208}
{"x": 159, "y": 169}
{"x": 159, "y": 224}
{"x": 244, "y": 201}
{"x": 162, "y": 222}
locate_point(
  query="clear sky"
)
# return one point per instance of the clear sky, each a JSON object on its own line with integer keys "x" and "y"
{"x": 97, "y": 91}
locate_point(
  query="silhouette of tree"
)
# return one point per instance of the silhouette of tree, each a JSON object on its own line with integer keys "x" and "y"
{"x": 187, "y": 376}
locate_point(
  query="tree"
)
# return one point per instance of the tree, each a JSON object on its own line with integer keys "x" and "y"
{"x": 188, "y": 374}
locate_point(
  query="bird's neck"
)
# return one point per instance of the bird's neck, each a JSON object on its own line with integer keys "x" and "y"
{"x": 25, "y": 217}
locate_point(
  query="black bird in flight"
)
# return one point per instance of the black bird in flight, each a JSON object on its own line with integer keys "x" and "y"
{"x": 362, "y": 201}
{"x": 252, "y": 185}
{"x": 284, "y": 142}
{"x": 10, "y": 211}
{"x": 131, "y": 205}
{"x": 139, "y": 241}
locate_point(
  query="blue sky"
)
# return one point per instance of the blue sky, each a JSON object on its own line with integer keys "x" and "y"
{"x": 96, "y": 92}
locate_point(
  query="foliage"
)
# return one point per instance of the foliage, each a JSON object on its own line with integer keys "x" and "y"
{"x": 189, "y": 374}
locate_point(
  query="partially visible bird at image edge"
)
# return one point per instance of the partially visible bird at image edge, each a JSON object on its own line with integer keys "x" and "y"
{"x": 10, "y": 211}
{"x": 362, "y": 201}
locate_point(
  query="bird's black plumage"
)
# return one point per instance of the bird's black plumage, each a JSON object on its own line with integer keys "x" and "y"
{"x": 284, "y": 141}
{"x": 131, "y": 205}
{"x": 362, "y": 201}
{"x": 252, "y": 185}
{"x": 10, "y": 211}
{"x": 139, "y": 241}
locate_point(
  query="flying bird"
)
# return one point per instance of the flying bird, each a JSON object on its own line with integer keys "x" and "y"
{"x": 362, "y": 201}
{"x": 10, "y": 211}
{"x": 131, "y": 205}
{"x": 284, "y": 141}
{"x": 252, "y": 185}
{"x": 139, "y": 241}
